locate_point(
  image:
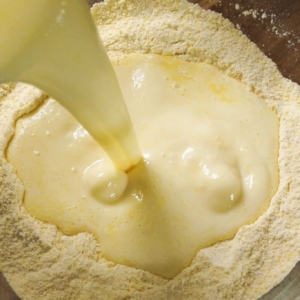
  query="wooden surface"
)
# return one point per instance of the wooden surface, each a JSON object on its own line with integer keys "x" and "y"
{"x": 274, "y": 25}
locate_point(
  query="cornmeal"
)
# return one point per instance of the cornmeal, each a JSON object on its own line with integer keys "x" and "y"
{"x": 39, "y": 261}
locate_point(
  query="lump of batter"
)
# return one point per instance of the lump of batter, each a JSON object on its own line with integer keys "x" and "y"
{"x": 209, "y": 166}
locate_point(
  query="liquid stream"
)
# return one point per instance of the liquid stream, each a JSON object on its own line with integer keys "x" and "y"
{"x": 54, "y": 45}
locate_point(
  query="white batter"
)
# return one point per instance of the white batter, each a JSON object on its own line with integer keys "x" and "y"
{"x": 209, "y": 165}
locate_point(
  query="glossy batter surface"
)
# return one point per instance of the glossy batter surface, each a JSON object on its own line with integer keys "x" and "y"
{"x": 209, "y": 165}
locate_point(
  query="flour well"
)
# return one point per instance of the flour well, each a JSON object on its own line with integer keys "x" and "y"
{"x": 198, "y": 183}
{"x": 40, "y": 262}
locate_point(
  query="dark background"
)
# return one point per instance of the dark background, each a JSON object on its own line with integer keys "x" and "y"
{"x": 274, "y": 25}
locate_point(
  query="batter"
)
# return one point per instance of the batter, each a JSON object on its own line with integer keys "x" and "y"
{"x": 209, "y": 166}
{"x": 37, "y": 258}
{"x": 46, "y": 54}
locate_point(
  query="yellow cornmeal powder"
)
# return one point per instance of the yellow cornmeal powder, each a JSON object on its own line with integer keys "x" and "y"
{"x": 42, "y": 263}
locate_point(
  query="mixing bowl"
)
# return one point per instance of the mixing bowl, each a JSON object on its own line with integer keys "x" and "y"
{"x": 274, "y": 25}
